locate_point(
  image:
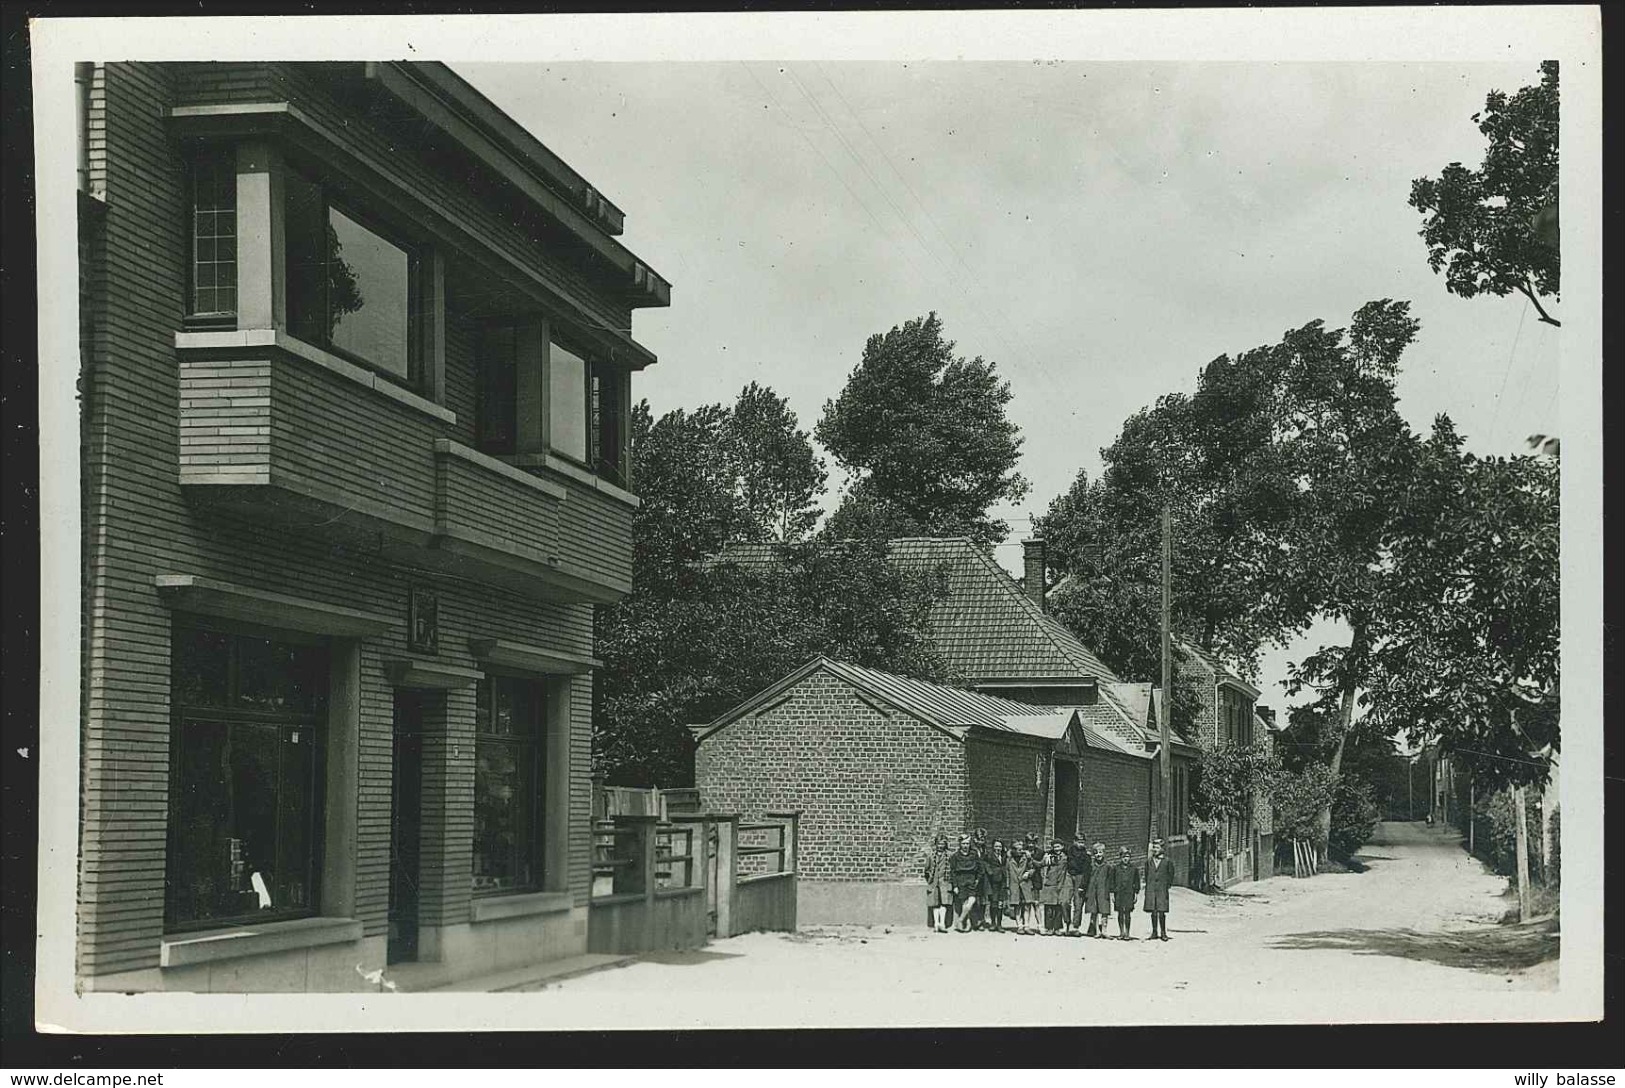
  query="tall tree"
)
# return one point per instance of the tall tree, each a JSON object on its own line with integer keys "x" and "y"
{"x": 1214, "y": 460}
{"x": 778, "y": 473}
{"x": 924, "y": 433}
{"x": 695, "y": 636}
{"x": 1493, "y": 230}
{"x": 1353, "y": 454}
{"x": 1471, "y": 653}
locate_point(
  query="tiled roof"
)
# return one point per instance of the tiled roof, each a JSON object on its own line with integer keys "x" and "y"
{"x": 987, "y": 628}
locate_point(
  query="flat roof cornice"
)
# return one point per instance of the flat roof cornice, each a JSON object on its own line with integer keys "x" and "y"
{"x": 453, "y": 105}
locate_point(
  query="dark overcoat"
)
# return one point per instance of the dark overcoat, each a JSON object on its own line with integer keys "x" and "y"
{"x": 1098, "y": 895}
{"x": 937, "y": 890}
{"x": 1159, "y": 877}
{"x": 1125, "y": 883}
{"x": 997, "y": 878}
{"x": 1015, "y": 871}
{"x": 965, "y": 871}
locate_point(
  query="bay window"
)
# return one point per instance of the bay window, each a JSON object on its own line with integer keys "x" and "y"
{"x": 351, "y": 287}
{"x": 246, "y": 749}
{"x": 508, "y": 779}
{"x": 561, "y": 401}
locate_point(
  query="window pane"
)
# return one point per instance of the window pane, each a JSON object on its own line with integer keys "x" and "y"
{"x": 497, "y": 408}
{"x": 225, "y": 823}
{"x": 369, "y": 285}
{"x": 296, "y": 809}
{"x": 214, "y": 214}
{"x": 280, "y": 676}
{"x": 243, "y": 790}
{"x": 200, "y": 856}
{"x": 506, "y": 786}
{"x": 201, "y": 663}
{"x": 305, "y": 226}
{"x": 567, "y": 408}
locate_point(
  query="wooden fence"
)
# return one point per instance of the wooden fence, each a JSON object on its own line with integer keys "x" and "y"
{"x": 674, "y": 884}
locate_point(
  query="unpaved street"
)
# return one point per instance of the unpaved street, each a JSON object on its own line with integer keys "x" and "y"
{"x": 1420, "y": 920}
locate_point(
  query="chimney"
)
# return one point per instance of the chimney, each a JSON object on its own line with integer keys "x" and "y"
{"x": 1032, "y": 565}
{"x": 1266, "y": 715}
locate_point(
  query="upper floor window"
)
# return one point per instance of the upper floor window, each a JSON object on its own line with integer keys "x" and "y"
{"x": 567, "y": 397}
{"x": 212, "y": 240}
{"x": 606, "y": 430}
{"x": 351, "y": 288}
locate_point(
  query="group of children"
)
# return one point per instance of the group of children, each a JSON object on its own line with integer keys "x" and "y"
{"x": 981, "y": 885}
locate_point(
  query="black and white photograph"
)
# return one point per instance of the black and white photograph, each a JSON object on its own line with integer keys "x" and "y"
{"x": 833, "y": 520}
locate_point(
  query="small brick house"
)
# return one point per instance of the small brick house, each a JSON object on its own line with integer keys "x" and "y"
{"x": 1230, "y": 714}
{"x": 878, "y": 764}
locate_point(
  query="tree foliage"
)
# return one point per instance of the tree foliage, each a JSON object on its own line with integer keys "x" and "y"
{"x": 1471, "y": 649}
{"x": 1484, "y": 228}
{"x": 924, "y": 433}
{"x": 1230, "y": 776}
{"x": 1297, "y": 799}
{"x": 694, "y": 636}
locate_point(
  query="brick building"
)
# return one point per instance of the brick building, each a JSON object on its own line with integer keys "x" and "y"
{"x": 356, "y": 376}
{"x": 1229, "y": 714}
{"x": 877, "y": 764}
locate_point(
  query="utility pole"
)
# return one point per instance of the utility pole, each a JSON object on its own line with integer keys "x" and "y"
{"x": 1166, "y": 706}
{"x": 1522, "y": 840}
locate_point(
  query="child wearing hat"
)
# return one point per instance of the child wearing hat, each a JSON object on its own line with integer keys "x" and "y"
{"x": 1056, "y": 888}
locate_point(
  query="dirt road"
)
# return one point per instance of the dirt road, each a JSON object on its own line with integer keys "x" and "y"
{"x": 1420, "y": 919}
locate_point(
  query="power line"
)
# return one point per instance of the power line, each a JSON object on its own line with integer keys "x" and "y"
{"x": 915, "y": 197}
{"x": 902, "y": 217}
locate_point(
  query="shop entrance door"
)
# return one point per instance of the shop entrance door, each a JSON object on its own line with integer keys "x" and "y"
{"x": 405, "y": 826}
{"x": 1066, "y": 800}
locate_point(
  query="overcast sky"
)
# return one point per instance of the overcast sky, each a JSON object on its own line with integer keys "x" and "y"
{"x": 1099, "y": 230}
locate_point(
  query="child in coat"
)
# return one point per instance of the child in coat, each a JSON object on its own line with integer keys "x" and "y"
{"x": 1054, "y": 892}
{"x": 1016, "y": 867}
{"x": 996, "y": 879}
{"x": 938, "y": 893}
{"x": 1125, "y": 888}
{"x": 1159, "y": 877}
{"x": 1097, "y": 898}
{"x": 965, "y": 871}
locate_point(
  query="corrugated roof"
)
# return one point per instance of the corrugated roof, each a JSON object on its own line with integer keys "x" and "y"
{"x": 945, "y": 706}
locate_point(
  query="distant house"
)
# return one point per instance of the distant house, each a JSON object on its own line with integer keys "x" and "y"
{"x": 1229, "y": 714}
{"x": 995, "y": 633}
{"x": 878, "y": 764}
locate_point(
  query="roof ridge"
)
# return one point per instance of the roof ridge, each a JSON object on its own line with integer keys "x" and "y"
{"x": 1046, "y": 623}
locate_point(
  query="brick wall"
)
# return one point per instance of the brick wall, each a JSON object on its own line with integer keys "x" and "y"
{"x": 872, "y": 787}
{"x": 1115, "y": 806}
{"x": 1009, "y": 787}
{"x": 138, "y": 524}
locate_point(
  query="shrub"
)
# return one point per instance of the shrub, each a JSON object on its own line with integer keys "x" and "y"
{"x": 1355, "y": 813}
